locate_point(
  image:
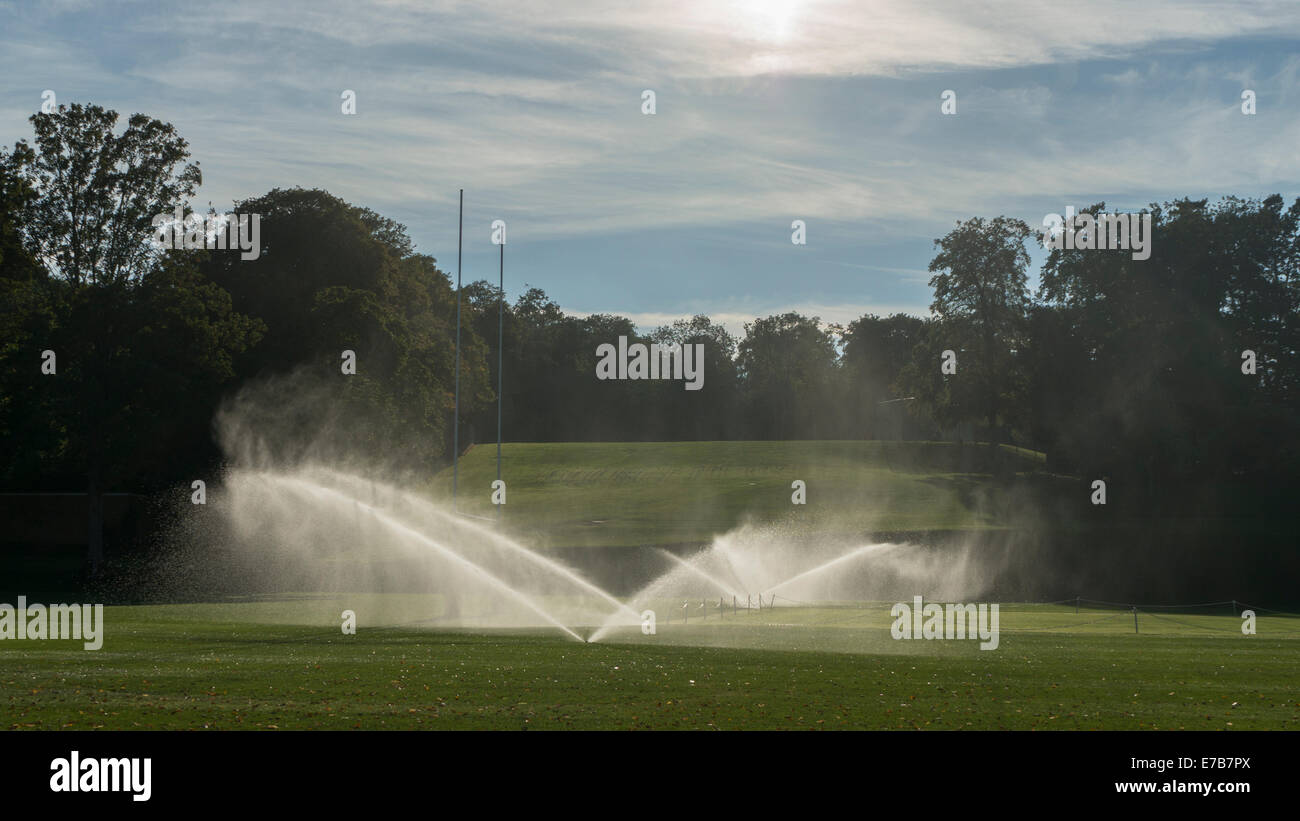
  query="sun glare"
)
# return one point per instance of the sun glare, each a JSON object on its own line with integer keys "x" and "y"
{"x": 770, "y": 20}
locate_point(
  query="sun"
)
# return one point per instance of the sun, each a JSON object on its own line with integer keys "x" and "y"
{"x": 770, "y": 20}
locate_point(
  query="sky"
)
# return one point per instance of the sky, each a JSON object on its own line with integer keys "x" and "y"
{"x": 766, "y": 112}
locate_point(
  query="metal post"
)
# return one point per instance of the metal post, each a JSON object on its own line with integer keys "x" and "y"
{"x": 455, "y": 421}
{"x": 1135, "y": 619}
{"x": 501, "y": 307}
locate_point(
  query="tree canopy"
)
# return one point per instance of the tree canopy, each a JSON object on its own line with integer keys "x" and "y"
{"x": 1136, "y": 369}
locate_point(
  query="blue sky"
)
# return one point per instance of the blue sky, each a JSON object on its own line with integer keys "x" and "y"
{"x": 767, "y": 111}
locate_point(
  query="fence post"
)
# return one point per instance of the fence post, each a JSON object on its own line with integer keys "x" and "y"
{"x": 1135, "y": 618}
{"x": 1076, "y": 605}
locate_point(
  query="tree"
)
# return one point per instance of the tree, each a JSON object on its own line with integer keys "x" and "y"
{"x": 713, "y": 411}
{"x": 331, "y": 277}
{"x": 492, "y": 320}
{"x": 938, "y": 397}
{"x": 788, "y": 365}
{"x": 1152, "y": 349}
{"x": 117, "y": 302}
{"x": 981, "y": 300}
{"x": 586, "y": 408}
{"x": 875, "y": 351}
{"x": 30, "y": 441}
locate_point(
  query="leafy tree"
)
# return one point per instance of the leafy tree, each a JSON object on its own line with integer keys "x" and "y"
{"x": 490, "y": 316}
{"x": 1152, "y": 349}
{"x": 532, "y": 362}
{"x": 788, "y": 364}
{"x": 333, "y": 276}
{"x": 120, "y": 307}
{"x": 875, "y": 352}
{"x": 30, "y": 440}
{"x": 713, "y": 411}
{"x": 587, "y": 408}
{"x": 939, "y": 398}
{"x": 981, "y": 300}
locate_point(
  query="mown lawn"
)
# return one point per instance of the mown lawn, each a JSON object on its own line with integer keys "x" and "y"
{"x": 210, "y": 666}
{"x": 632, "y": 493}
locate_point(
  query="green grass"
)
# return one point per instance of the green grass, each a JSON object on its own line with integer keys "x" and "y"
{"x": 284, "y": 663}
{"x": 621, "y": 494}
{"x": 248, "y": 666}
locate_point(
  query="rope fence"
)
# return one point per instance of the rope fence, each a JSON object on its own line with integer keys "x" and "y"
{"x": 862, "y": 611}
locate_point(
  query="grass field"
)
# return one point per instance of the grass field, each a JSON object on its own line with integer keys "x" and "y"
{"x": 283, "y": 663}
{"x": 250, "y": 666}
{"x": 618, "y": 494}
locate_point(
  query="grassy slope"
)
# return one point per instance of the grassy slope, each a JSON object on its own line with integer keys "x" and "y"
{"x": 195, "y": 666}
{"x": 618, "y": 494}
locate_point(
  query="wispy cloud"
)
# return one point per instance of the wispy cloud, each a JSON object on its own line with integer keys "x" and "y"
{"x": 768, "y": 111}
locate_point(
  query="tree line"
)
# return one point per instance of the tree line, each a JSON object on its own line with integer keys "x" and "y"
{"x": 1114, "y": 366}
